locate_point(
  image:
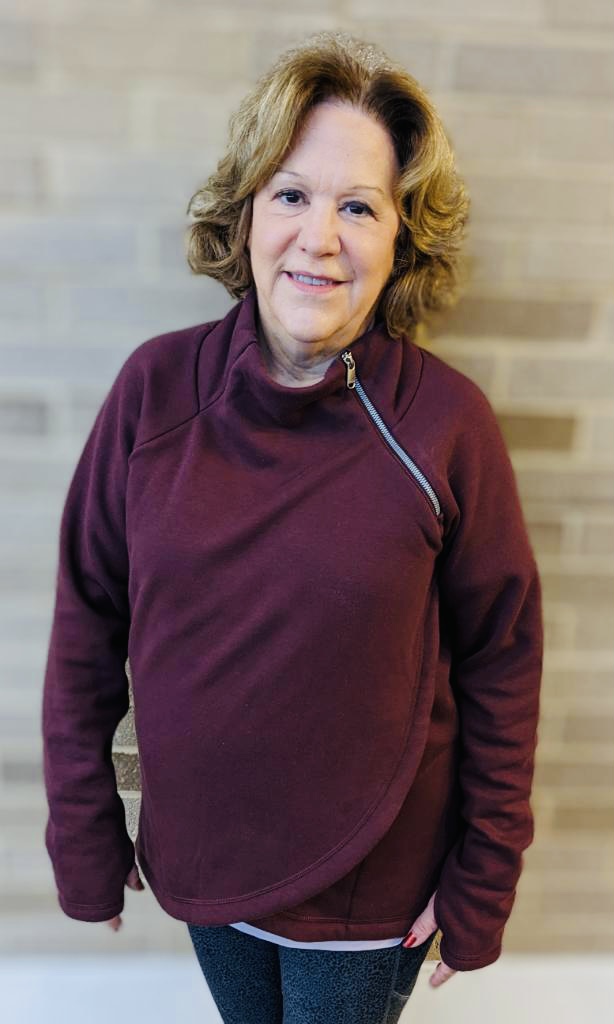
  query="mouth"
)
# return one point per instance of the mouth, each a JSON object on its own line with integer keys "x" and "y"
{"x": 309, "y": 283}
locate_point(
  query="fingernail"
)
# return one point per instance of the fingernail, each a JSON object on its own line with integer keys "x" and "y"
{"x": 409, "y": 941}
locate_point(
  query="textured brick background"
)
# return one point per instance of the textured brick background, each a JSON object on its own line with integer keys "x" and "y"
{"x": 110, "y": 116}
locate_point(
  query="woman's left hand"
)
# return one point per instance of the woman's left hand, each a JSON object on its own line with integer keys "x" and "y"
{"x": 423, "y": 927}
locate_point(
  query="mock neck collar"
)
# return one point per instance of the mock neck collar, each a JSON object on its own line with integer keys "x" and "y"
{"x": 262, "y": 398}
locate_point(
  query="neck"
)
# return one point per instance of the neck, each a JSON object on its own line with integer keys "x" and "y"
{"x": 285, "y": 372}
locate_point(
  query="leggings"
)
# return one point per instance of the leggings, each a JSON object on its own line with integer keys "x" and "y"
{"x": 254, "y": 981}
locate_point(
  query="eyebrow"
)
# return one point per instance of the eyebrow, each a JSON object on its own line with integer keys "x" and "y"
{"x": 350, "y": 188}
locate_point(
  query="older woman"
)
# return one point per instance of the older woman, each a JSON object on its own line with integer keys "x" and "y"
{"x": 304, "y": 531}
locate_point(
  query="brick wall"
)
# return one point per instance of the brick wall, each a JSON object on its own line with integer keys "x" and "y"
{"x": 110, "y": 116}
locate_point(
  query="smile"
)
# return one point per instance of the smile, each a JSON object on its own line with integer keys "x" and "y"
{"x": 305, "y": 283}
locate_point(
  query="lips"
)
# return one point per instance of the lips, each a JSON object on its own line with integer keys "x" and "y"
{"x": 319, "y": 277}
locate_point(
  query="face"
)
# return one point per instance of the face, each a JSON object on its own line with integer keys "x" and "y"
{"x": 328, "y": 212}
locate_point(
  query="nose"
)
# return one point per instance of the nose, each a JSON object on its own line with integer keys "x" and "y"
{"x": 319, "y": 230}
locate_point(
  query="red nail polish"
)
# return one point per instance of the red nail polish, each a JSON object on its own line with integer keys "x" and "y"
{"x": 409, "y": 941}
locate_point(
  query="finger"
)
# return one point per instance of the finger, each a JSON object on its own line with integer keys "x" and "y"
{"x": 115, "y": 923}
{"x": 440, "y": 975}
{"x": 133, "y": 881}
{"x": 424, "y": 925}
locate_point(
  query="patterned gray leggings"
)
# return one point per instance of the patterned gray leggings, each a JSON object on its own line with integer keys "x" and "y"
{"x": 253, "y": 981}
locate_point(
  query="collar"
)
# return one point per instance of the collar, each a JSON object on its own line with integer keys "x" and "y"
{"x": 248, "y": 385}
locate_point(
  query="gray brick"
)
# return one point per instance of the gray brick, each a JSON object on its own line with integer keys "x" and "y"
{"x": 67, "y": 363}
{"x": 582, "y": 486}
{"x": 54, "y": 113}
{"x": 480, "y": 368}
{"x": 448, "y": 12}
{"x": 21, "y": 770}
{"x": 189, "y": 119}
{"x": 182, "y": 47}
{"x": 521, "y": 317}
{"x": 567, "y": 136}
{"x": 20, "y": 177}
{"x": 19, "y": 47}
{"x": 22, "y": 415}
{"x": 121, "y": 181}
{"x": 561, "y": 378}
{"x": 571, "y": 14}
{"x": 568, "y": 259}
{"x": 483, "y": 134}
{"x": 62, "y": 242}
{"x": 27, "y": 568}
{"x": 21, "y": 300}
{"x": 536, "y": 70}
{"x": 545, "y": 199}
{"x": 152, "y": 308}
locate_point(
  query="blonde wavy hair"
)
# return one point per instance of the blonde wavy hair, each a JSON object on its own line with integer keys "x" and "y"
{"x": 431, "y": 199}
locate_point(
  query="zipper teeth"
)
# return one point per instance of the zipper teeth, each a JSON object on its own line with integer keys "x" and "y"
{"x": 396, "y": 447}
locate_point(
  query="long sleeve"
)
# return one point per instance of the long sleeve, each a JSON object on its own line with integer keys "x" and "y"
{"x": 491, "y": 602}
{"x": 85, "y": 692}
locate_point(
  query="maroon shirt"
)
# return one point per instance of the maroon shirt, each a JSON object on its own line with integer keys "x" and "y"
{"x": 335, "y": 670}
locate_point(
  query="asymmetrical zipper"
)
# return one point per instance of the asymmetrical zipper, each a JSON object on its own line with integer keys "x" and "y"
{"x": 353, "y": 382}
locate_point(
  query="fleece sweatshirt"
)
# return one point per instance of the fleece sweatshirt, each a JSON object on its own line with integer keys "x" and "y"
{"x": 332, "y": 614}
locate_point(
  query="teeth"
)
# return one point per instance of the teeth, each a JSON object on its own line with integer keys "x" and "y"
{"x": 312, "y": 280}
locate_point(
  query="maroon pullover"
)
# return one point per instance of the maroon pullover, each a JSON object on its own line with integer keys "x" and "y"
{"x": 335, "y": 657}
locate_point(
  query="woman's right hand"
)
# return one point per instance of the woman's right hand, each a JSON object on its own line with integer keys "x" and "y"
{"x": 133, "y": 881}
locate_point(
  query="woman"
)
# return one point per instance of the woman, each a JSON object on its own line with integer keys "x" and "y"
{"x": 304, "y": 531}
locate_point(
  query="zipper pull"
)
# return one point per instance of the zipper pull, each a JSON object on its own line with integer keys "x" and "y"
{"x": 350, "y": 369}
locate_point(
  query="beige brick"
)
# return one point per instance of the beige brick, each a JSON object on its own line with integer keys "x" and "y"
{"x": 477, "y": 316}
{"x": 559, "y": 625}
{"x": 594, "y": 629}
{"x": 589, "y": 486}
{"x": 571, "y": 14}
{"x": 577, "y": 378}
{"x": 118, "y": 179}
{"x": 545, "y": 199}
{"x": 536, "y": 70}
{"x": 20, "y": 177}
{"x": 577, "y": 587}
{"x": 189, "y": 119}
{"x": 57, "y": 113}
{"x": 522, "y": 431}
{"x": 545, "y": 538}
{"x": 568, "y": 137}
{"x": 586, "y": 683}
{"x": 596, "y": 728}
{"x": 569, "y": 260}
{"x": 480, "y": 368}
{"x": 581, "y": 855}
{"x": 546, "y": 934}
{"x": 597, "y": 901}
{"x": 550, "y": 729}
{"x": 478, "y": 134}
{"x": 597, "y": 538}
{"x": 565, "y": 774}
{"x": 491, "y": 260}
{"x": 447, "y": 12}
{"x": 585, "y": 816}
{"x": 186, "y": 48}
{"x": 600, "y": 434}
{"x": 20, "y": 48}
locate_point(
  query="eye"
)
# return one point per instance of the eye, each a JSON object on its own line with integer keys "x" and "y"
{"x": 363, "y": 206}
{"x": 289, "y": 193}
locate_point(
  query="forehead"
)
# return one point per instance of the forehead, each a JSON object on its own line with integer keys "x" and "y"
{"x": 337, "y": 139}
